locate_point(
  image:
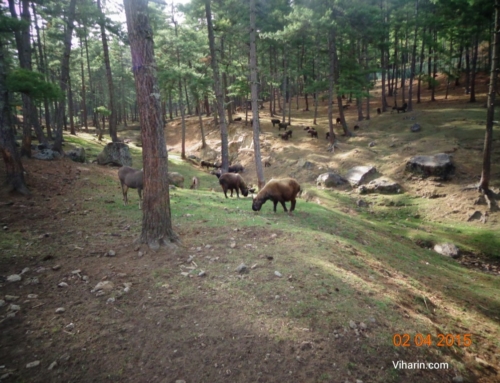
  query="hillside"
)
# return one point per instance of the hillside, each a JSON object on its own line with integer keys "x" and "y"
{"x": 327, "y": 291}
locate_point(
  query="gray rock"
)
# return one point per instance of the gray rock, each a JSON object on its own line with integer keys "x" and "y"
{"x": 330, "y": 180}
{"x": 111, "y": 253}
{"x": 458, "y": 379}
{"x": 62, "y": 284}
{"x": 447, "y": 249}
{"x": 477, "y": 215}
{"x": 176, "y": 179}
{"x": 11, "y": 298}
{"x": 46, "y": 155}
{"x": 60, "y": 310}
{"x": 115, "y": 153}
{"x": 33, "y": 364}
{"x": 14, "y": 278}
{"x": 381, "y": 185}
{"x": 371, "y": 144}
{"x": 278, "y": 274}
{"x": 359, "y": 174}
{"x": 415, "y": 128}
{"x": 302, "y": 163}
{"x": 52, "y": 366}
{"x": 103, "y": 286}
{"x": 13, "y": 307}
{"x": 352, "y": 324}
{"x": 77, "y": 155}
{"x": 439, "y": 165}
{"x": 242, "y": 268}
{"x": 2, "y": 303}
{"x": 361, "y": 203}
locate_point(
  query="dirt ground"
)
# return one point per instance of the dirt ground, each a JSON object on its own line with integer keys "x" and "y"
{"x": 153, "y": 330}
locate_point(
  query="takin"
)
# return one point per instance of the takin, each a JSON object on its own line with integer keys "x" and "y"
{"x": 283, "y": 125}
{"x": 275, "y": 121}
{"x": 195, "y": 184}
{"x": 232, "y": 181}
{"x": 277, "y": 190}
{"x": 313, "y": 133}
{"x": 131, "y": 178}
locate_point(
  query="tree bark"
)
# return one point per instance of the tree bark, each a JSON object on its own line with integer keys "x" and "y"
{"x": 473, "y": 70}
{"x": 109, "y": 76}
{"x": 484, "y": 183}
{"x": 70, "y": 109}
{"x": 156, "y": 219}
{"x": 218, "y": 91}
{"x": 13, "y": 166}
{"x": 419, "y": 82}
{"x": 413, "y": 60}
{"x": 255, "y": 96}
{"x": 331, "y": 83}
{"x": 63, "y": 82}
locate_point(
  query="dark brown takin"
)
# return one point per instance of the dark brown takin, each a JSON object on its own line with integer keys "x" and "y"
{"x": 233, "y": 181}
{"x": 131, "y": 178}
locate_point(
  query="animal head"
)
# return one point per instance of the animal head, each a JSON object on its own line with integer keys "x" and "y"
{"x": 256, "y": 204}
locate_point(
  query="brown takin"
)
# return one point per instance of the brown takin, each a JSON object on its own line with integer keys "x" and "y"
{"x": 131, "y": 178}
{"x": 233, "y": 181}
{"x": 277, "y": 190}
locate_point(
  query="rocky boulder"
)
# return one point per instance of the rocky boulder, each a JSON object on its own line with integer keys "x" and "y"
{"x": 330, "y": 180}
{"x": 115, "y": 153}
{"x": 381, "y": 185}
{"x": 415, "y": 128}
{"x": 447, "y": 249}
{"x": 77, "y": 155}
{"x": 46, "y": 154}
{"x": 359, "y": 174}
{"x": 176, "y": 179}
{"x": 438, "y": 165}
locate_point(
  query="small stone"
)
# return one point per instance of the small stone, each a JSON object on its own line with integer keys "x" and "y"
{"x": 232, "y": 245}
{"x": 458, "y": 379}
{"x": 242, "y": 268}
{"x": 202, "y": 274}
{"x": 185, "y": 274}
{"x": 52, "y": 366}
{"x": 62, "y": 284}
{"x": 276, "y": 297}
{"x": 85, "y": 277}
{"x": 2, "y": 303}
{"x": 13, "y": 307}
{"x": 70, "y": 326}
{"x": 278, "y": 274}
{"x": 110, "y": 300}
{"x": 126, "y": 287}
{"x": 33, "y": 364}
{"x": 14, "y": 278}
{"x": 363, "y": 326}
{"x": 60, "y": 310}
{"x": 352, "y": 324}
{"x": 56, "y": 267}
{"x": 111, "y": 253}
{"x": 180, "y": 381}
{"x": 25, "y": 270}
{"x": 64, "y": 357}
{"x": 254, "y": 266}
{"x": 10, "y": 298}
{"x": 371, "y": 144}
{"x": 140, "y": 254}
{"x": 306, "y": 346}
{"x": 78, "y": 271}
{"x": 103, "y": 286}
{"x": 359, "y": 381}
{"x": 274, "y": 235}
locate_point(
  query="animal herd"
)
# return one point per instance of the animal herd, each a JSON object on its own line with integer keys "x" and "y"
{"x": 276, "y": 190}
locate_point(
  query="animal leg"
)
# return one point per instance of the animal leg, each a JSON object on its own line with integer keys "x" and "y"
{"x": 275, "y": 204}
{"x": 284, "y": 206}
{"x": 125, "y": 190}
{"x": 292, "y": 208}
{"x": 139, "y": 191}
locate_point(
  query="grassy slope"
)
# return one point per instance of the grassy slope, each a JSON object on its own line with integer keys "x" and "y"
{"x": 338, "y": 266}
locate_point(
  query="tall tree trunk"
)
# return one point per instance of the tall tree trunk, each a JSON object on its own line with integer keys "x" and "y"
{"x": 200, "y": 120}
{"x": 218, "y": 91}
{"x": 473, "y": 70}
{"x": 484, "y": 183}
{"x": 70, "y": 109}
{"x": 347, "y": 133}
{"x": 413, "y": 60}
{"x": 284, "y": 88}
{"x": 255, "y": 96}
{"x": 84, "y": 90}
{"x": 92, "y": 100}
{"x": 179, "y": 90}
{"x": 156, "y": 218}
{"x": 331, "y": 83}
{"x": 459, "y": 65}
{"x": 111, "y": 92}
{"x": 419, "y": 82}
{"x": 13, "y": 166}
{"x": 434, "y": 67}
{"x": 448, "y": 77}
{"x": 63, "y": 82}
{"x": 467, "y": 70}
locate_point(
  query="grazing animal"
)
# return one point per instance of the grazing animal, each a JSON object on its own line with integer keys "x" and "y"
{"x": 237, "y": 119}
{"x": 356, "y": 127}
{"x": 267, "y": 163}
{"x": 379, "y": 111}
{"x": 283, "y": 125}
{"x": 231, "y": 181}
{"x": 208, "y": 164}
{"x": 328, "y": 135}
{"x": 283, "y": 136}
{"x": 307, "y": 128}
{"x": 313, "y": 133}
{"x": 338, "y": 121}
{"x": 251, "y": 121}
{"x": 289, "y": 132}
{"x": 131, "y": 178}
{"x": 236, "y": 169}
{"x": 195, "y": 183}
{"x": 345, "y": 107}
{"x": 275, "y": 121}
{"x": 401, "y": 108}
{"x": 278, "y": 190}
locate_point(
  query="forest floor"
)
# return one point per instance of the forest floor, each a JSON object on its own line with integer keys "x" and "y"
{"x": 326, "y": 292}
